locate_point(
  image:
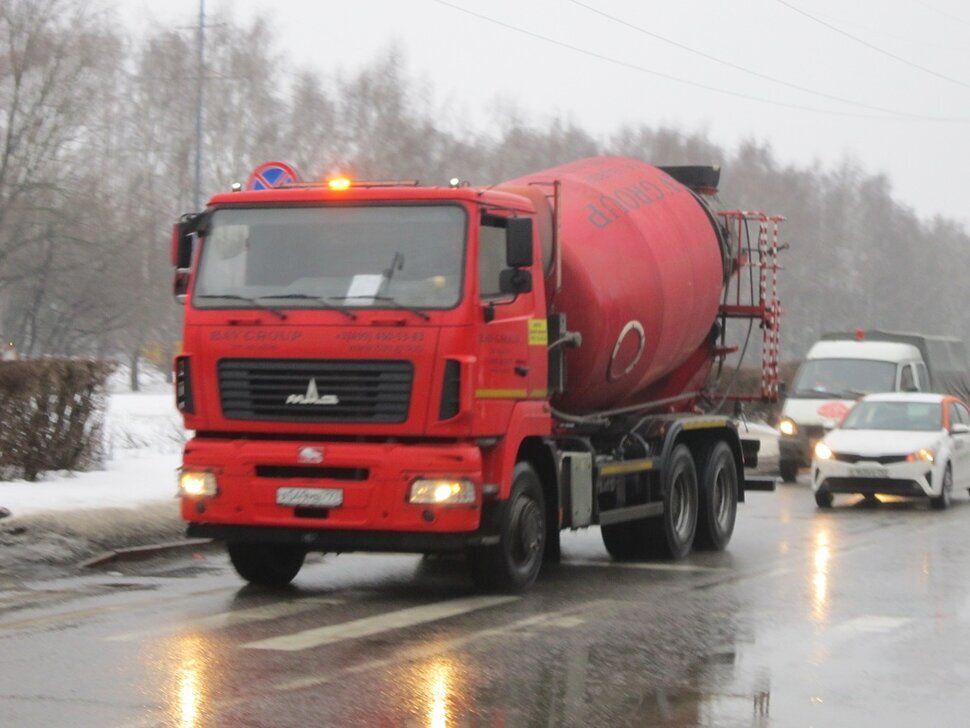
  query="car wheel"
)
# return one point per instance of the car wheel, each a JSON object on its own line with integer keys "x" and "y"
{"x": 788, "y": 470}
{"x": 823, "y": 499}
{"x": 942, "y": 501}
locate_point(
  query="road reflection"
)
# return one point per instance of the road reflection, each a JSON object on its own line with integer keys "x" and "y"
{"x": 822, "y": 554}
{"x": 183, "y": 665}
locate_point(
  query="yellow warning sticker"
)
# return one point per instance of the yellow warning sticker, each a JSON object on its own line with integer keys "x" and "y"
{"x": 538, "y": 333}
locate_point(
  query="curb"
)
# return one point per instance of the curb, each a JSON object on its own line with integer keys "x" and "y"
{"x": 135, "y": 553}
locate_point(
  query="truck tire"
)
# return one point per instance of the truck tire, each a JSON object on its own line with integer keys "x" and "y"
{"x": 266, "y": 564}
{"x": 788, "y": 470}
{"x": 626, "y": 541}
{"x": 514, "y": 562}
{"x": 718, "y": 498}
{"x": 672, "y": 534}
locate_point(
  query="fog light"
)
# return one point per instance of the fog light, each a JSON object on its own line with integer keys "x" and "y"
{"x": 441, "y": 491}
{"x": 195, "y": 483}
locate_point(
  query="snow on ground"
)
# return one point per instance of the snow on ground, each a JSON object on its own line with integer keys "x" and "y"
{"x": 143, "y": 439}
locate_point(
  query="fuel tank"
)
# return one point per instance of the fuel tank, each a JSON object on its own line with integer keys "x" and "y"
{"x": 642, "y": 273}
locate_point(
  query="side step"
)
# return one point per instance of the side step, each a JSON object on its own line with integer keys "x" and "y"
{"x": 760, "y": 482}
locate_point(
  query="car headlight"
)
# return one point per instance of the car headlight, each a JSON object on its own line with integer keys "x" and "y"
{"x": 441, "y": 491}
{"x": 788, "y": 427}
{"x": 924, "y": 454}
{"x": 822, "y": 451}
{"x": 196, "y": 483}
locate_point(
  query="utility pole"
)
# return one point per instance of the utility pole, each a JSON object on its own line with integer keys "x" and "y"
{"x": 197, "y": 190}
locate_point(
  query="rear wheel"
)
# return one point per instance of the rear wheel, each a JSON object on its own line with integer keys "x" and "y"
{"x": 267, "y": 564}
{"x": 788, "y": 470}
{"x": 823, "y": 499}
{"x": 942, "y": 501}
{"x": 718, "y": 502}
{"x": 514, "y": 562}
{"x": 672, "y": 534}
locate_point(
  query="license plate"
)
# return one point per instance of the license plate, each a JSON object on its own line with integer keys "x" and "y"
{"x": 868, "y": 471}
{"x": 317, "y": 497}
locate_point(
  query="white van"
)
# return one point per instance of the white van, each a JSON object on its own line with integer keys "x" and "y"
{"x": 833, "y": 376}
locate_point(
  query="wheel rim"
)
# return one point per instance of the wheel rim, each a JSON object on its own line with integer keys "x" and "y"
{"x": 526, "y": 532}
{"x": 680, "y": 505}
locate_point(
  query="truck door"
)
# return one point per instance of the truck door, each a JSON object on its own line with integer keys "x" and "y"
{"x": 512, "y": 336}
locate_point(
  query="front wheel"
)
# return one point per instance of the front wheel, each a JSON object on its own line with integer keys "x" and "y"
{"x": 266, "y": 564}
{"x": 942, "y": 501}
{"x": 514, "y": 562}
{"x": 823, "y": 499}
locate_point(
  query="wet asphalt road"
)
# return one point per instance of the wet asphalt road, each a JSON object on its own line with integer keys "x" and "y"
{"x": 855, "y": 617}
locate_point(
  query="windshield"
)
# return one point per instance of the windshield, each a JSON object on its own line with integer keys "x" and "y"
{"x": 925, "y": 416}
{"x": 843, "y": 378}
{"x": 321, "y": 257}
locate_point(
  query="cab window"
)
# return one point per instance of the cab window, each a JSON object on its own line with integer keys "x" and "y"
{"x": 491, "y": 261}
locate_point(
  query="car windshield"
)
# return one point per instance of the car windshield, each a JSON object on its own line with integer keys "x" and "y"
{"x": 843, "y": 378}
{"x": 320, "y": 257}
{"x": 924, "y": 416}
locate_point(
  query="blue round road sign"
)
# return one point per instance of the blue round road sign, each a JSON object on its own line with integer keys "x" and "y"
{"x": 270, "y": 175}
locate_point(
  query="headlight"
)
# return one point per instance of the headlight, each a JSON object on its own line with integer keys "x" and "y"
{"x": 195, "y": 483}
{"x": 441, "y": 491}
{"x": 924, "y": 454}
{"x": 822, "y": 451}
{"x": 788, "y": 427}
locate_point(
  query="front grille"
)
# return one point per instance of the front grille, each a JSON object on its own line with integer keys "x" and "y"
{"x": 882, "y": 459}
{"x": 282, "y": 472}
{"x": 813, "y": 432}
{"x": 327, "y": 390}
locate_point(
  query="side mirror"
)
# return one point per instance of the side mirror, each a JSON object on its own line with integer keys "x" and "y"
{"x": 518, "y": 242}
{"x": 782, "y": 390}
{"x": 513, "y": 280}
{"x": 960, "y": 429}
{"x": 182, "y": 244}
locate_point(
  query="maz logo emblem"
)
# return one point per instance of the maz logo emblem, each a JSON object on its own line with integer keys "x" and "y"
{"x": 312, "y": 396}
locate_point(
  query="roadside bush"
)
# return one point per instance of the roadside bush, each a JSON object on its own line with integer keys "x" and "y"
{"x": 51, "y": 415}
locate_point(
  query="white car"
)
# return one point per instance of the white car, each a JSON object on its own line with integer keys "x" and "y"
{"x": 902, "y": 444}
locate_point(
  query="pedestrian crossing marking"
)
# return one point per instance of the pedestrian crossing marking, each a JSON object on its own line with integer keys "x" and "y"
{"x": 369, "y": 626}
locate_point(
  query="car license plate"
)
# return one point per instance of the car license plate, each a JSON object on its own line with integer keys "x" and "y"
{"x": 869, "y": 471}
{"x": 317, "y": 497}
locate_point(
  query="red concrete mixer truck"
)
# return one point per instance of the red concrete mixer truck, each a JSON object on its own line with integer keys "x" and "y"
{"x": 380, "y": 366}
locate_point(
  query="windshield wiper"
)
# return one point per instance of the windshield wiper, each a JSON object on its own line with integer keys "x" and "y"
{"x": 247, "y": 299}
{"x": 319, "y": 299}
{"x": 386, "y": 299}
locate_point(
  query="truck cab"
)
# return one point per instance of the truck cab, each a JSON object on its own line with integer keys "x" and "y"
{"x": 833, "y": 376}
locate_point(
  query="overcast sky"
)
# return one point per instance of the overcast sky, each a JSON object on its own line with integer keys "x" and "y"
{"x": 885, "y": 82}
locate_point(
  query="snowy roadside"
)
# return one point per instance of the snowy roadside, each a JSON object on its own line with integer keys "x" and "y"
{"x": 66, "y": 517}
